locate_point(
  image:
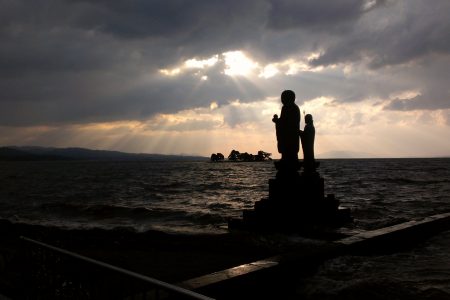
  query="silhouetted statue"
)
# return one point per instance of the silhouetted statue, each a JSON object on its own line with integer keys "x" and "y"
{"x": 287, "y": 128}
{"x": 307, "y": 136}
{"x": 296, "y": 202}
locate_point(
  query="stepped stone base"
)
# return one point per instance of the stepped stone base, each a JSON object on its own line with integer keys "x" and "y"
{"x": 296, "y": 201}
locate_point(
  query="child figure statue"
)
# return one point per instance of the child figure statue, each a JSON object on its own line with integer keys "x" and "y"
{"x": 307, "y": 136}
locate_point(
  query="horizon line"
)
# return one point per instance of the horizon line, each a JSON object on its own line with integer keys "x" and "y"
{"x": 207, "y": 157}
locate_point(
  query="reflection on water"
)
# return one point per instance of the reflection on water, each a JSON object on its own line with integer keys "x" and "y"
{"x": 201, "y": 196}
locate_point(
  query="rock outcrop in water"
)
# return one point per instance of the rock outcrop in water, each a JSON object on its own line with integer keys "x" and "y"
{"x": 245, "y": 156}
{"x": 217, "y": 157}
{"x": 237, "y": 156}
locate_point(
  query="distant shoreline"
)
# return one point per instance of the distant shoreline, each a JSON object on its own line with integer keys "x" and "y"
{"x": 31, "y": 153}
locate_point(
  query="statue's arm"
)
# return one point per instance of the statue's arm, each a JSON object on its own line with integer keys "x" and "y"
{"x": 275, "y": 118}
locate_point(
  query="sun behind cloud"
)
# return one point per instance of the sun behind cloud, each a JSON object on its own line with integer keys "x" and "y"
{"x": 238, "y": 64}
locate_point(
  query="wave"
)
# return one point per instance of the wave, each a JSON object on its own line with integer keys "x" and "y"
{"x": 103, "y": 211}
{"x": 219, "y": 205}
{"x": 205, "y": 219}
{"x": 404, "y": 180}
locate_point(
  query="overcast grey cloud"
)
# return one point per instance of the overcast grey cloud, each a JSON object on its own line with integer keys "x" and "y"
{"x": 319, "y": 15}
{"x": 399, "y": 32}
{"x": 78, "y": 61}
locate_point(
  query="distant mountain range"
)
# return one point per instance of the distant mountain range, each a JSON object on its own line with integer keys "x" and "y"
{"x": 32, "y": 153}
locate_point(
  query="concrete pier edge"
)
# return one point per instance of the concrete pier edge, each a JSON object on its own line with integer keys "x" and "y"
{"x": 378, "y": 240}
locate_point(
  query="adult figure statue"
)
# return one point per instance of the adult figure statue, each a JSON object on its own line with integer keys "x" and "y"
{"x": 307, "y": 136}
{"x": 287, "y": 129}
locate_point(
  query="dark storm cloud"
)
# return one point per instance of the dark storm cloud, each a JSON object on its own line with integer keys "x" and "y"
{"x": 325, "y": 15}
{"x": 170, "y": 19}
{"x": 78, "y": 34}
{"x": 425, "y": 102}
{"x": 430, "y": 79}
{"x": 57, "y": 34}
{"x": 75, "y": 61}
{"x": 433, "y": 96}
{"x": 396, "y": 33}
{"x": 63, "y": 61}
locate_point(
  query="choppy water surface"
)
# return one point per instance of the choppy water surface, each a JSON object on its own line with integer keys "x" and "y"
{"x": 201, "y": 196}
{"x": 194, "y": 197}
{"x": 171, "y": 196}
{"x": 422, "y": 272}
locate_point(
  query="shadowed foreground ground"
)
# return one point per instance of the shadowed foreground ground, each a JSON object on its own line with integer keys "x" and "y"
{"x": 168, "y": 257}
{"x": 26, "y": 271}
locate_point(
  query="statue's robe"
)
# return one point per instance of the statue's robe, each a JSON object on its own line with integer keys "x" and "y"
{"x": 287, "y": 129}
{"x": 307, "y": 138}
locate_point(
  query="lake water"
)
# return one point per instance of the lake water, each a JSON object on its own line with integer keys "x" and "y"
{"x": 199, "y": 197}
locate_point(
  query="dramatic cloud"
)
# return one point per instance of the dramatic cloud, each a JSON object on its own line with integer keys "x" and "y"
{"x": 69, "y": 65}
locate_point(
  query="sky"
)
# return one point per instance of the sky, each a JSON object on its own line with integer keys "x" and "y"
{"x": 205, "y": 76}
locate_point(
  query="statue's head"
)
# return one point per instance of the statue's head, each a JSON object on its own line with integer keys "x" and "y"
{"x": 308, "y": 119}
{"x": 287, "y": 97}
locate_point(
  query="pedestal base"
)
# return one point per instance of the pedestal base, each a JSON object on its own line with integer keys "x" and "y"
{"x": 296, "y": 201}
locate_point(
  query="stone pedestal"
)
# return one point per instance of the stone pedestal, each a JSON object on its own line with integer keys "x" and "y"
{"x": 296, "y": 200}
